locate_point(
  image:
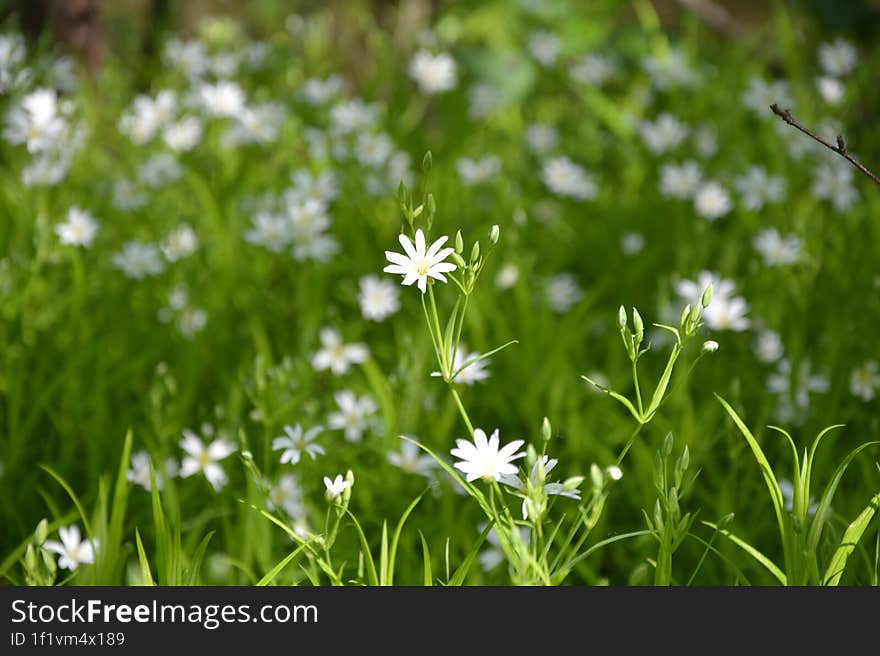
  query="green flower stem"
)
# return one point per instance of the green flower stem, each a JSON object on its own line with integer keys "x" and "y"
{"x": 635, "y": 371}
{"x": 464, "y": 414}
{"x": 444, "y": 365}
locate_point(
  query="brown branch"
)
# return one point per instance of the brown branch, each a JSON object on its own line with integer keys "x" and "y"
{"x": 840, "y": 148}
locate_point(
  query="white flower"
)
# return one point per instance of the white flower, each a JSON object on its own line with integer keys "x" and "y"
{"x": 420, "y": 262}
{"x": 483, "y": 459}
{"x": 183, "y": 135}
{"x": 181, "y": 243}
{"x": 541, "y": 138}
{"x": 137, "y": 260}
{"x": 833, "y": 182}
{"x": 336, "y": 487}
{"x": 319, "y": 92}
{"x": 768, "y": 346}
{"x": 160, "y": 170}
{"x": 378, "y": 298}
{"x": 680, "y": 180}
{"x": 483, "y": 99}
{"x": 727, "y": 314}
{"x": 544, "y": 46}
{"x": 865, "y": 380}
{"x": 287, "y": 494}
{"x": 632, "y": 243}
{"x": 140, "y": 471}
{"x": 478, "y": 171}
{"x": 562, "y": 291}
{"x": 565, "y": 178}
{"x": 669, "y": 69}
{"x": 223, "y": 100}
{"x": 593, "y": 69}
{"x": 831, "y": 89}
{"x": 323, "y": 187}
{"x": 838, "y": 58}
{"x": 35, "y": 122}
{"x": 705, "y": 139}
{"x": 776, "y": 249}
{"x": 272, "y": 231}
{"x": 353, "y": 415}
{"x": 73, "y": 550}
{"x": 295, "y": 442}
{"x": 189, "y": 56}
{"x": 664, "y": 134}
{"x": 760, "y": 95}
{"x": 337, "y": 356}
{"x": 259, "y": 124}
{"x": 550, "y": 489}
{"x": 373, "y": 149}
{"x": 79, "y": 229}
{"x": 412, "y": 460}
{"x": 710, "y": 346}
{"x": 433, "y": 73}
{"x": 474, "y": 372}
{"x": 712, "y": 201}
{"x": 148, "y": 116}
{"x": 796, "y": 384}
{"x": 126, "y": 195}
{"x": 507, "y": 276}
{"x": 202, "y": 458}
{"x": 614, "y": 472}
{"x": 757, "y": 188}
{"x": 352, "y": 116}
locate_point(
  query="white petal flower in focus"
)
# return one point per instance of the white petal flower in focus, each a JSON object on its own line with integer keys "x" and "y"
{"x": 420, "y": 263}
{"x": 483, "y": 459}
{"x": 295, "y": 442}
{"x": 205, "y": 458}
{"x": 73, "y": 550}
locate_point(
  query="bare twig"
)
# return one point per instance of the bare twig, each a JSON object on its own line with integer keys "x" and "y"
{"x": 840, "y": 148}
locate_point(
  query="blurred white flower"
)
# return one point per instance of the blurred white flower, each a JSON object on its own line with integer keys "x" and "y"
{"x": 79, "y": 229}
{"x": 562, "y": 291}
{"x": 221, "y": 100}
{"x": 147, "y": 116}
{"x": 664, "y": 134}
{"x": 137, "y": 260}
{"x": 483, "y": 99}
{"x": 353, "y": 416}
{"x": 768, "y": 346}
{"x": 205, "y": 458}
{"x": 565, "y": 178}
{"x": 594, "y": 70}
{"x": 336, "y": 487}
{"x": 474, "y": 372}
{"x": 669, "y": 69}
{"x": 74, "y": 551}
{"x": 507, "y": 276}
{"x": 705, "y": 139}
{"x": 632, "y": 243}
{"x": 757, "y": 188}
{"x": 184, "y": 135}
{"x": 35, "y": 122}
{"x": 544, "y": 46}
{"x": 287, "y": 495}
{"x": 373, "y": 149}
{"x": 478, "y": 171}
{"x": 796, "y": 384}
{"x": 831, "y": 89}
{"x": 296, "y": 442}
{"x": 139, "y": 472}
{"x": 680, "y": 180}
{"x": 838, "y": 58}
{"x": 833, "y": 181}
{"x": 352, "y": 116}
{"x": 378, "y": 298}
{"x": 159, "y": 170}
{"x": 337, "y": 356}
{"x": 181, "y": 243}
{"x": 433, "y": 73}
{"x": 259, "y": 124}
{"x": 319, "y": 91}
{"x": 412, "y": 460}
{"x": 777, "y": 250}
{"x": 484, "y": 458}
{"x": 541, "y": 138}
{"x": 865, "y": 380}
{"x": 272, "y": 231}
{"x": 127, "y": 196}
{"x": 712, "y": 201}
{"x": 760, "y": 94}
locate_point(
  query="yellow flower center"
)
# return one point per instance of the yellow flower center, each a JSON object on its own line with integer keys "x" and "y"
{"x": 422, "y": 268}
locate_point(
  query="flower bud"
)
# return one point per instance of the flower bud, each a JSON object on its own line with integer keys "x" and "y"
{"x": 427, "y": 161}
{"x": 546, "y": 430}
{"x": 596, "y": 477}
{"x": 668, "y": 443}
{"x": 621, "y": 318}
{"x": 459, "y": 243}
{"x": 614, "y": 472}
{"x": 710, "y": 346}
{"x": 573, "y": 483}
{"x": 495, "y": 234}
{"x": 475, "y": 252}
{"x": 42, "y": 531}
{"x": 707, "y": 296}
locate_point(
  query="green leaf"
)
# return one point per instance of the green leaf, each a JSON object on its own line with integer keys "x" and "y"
{"x": 73, "y": 497}
{"x": 462, "y": 570}
{"x": 142, "y": 559}
{"x": 275, "y": 571}
{"x": 428, "y": 577}
{"x": 198, "y": 556}
{"x": 622, "y": 399}
{"x": 483, "y": 357}
{"x": 395, "y": 540}
{"x": 851, "y": 538}
{"x": 372, "y": 576}
{"x": 754, "y": 553}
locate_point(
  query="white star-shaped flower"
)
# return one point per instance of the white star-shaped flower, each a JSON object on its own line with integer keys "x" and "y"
{"x": 420, "y": 263}
{"x": 483, "y": 458}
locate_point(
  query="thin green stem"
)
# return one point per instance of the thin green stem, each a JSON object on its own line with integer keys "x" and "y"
{"x": 629, "y": 443}
{"x": 635, "y": 372}
{"x": 444, "y": 356}
{"x": 464, "y": 414}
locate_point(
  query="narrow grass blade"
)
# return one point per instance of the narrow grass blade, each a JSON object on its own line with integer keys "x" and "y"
{"x": 754, "y": 553}
{"x": 851, "y": 538}
{"x": 275, "y": 571}
{"x": 372, "y": 576}
{"x": 73, "y": 497}
{"x": 199, "y": 555}
{"x": 427, "y": 577}
{"x": 142, "y": 559}
{"x": 395, "y": 540}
